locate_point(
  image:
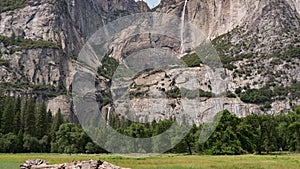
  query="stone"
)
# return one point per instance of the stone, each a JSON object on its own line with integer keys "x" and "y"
{"x": 91, "y": 164}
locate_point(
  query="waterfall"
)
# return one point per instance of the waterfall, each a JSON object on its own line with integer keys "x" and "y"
{"x": 182, "y": 27}
{"x": 107, "y": 117}
{"x": 105, "y": 28}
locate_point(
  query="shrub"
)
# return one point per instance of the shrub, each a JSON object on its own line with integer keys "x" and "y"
{"x": 173, "y": 93}
{"x": 108, "y": 68}
{"x": 6, "y": 5}
{"x": 4, "y": 63}
{"x": 226, "y": 59}
{"x": 238, "y": 90}
{"x": 256, "y": 96}
{"x": 229, "y": 94}
{"x": 43, "y": 88}
{"x": 22, "y": 44}
{"x": 293, "y": 52}
{"x": 244, "y": 56}
{"x": 230, "y": 66}
{"x": 192, "y": 60}
{"x": 186, "y": 93}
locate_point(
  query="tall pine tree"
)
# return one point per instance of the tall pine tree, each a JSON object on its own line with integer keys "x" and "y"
{"x": 7, "y": 116}
{"x": 29, "y": 117}
{"x": 17, "y": 125}
{"x": 41, "y": 120}
{"x": 57, "y": 121}
{"x": 49, "y": 120}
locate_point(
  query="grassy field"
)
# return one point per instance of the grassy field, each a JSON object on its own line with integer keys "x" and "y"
{"x": 12, "y": 161}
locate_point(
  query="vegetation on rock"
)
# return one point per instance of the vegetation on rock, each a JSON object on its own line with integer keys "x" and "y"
{"x": 19, "y": 43}
{"x": 109, "y": 66}
{"x": 186, "y": 93}
{"x": 192, "y": 60}
{"x": 7, "y": 5}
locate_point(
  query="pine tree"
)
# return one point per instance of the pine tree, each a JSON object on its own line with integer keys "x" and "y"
{"x": 57, "y": 121}
{"x": 41, "y": 120}
{"x": 13, "y": 38}
{"x": 20, "y": 140}
{"x": 17, "y": 125}
{"x": 7, "y": 116}
{"x": 49, "y": 120}
{"x": 29, "y": 117}
{"x": 18, "y": 104}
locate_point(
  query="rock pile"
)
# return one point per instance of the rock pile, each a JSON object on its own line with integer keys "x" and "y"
{"x": 91, "y": 164}
{"x": 30, "y": 163}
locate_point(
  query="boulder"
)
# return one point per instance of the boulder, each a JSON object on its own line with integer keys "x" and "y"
{"x": 91, "y": 164}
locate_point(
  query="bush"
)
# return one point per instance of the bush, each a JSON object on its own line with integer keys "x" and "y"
{"x": 293, "y": 52}
{"x": 222, "y": 43}
{"x": 226, "y": 59}
{"x": 43, "y": 88}
{"x": 4, "y": 63}
{"x": 6, "y": 5}
{"x": 229, "y": 94}
{"x": 192, "y": 60}
{"x": 22, "y": 44}
{"x": 31, "y": 44}
{"x": 267, "y": 105}
{"x": 9, "y": 143}
{"x": 230, "y": 66}
{"x": 186, "y": 93}
{"x": 203, "y": 93}
{"x": 257, "y": 96}
{"x": 173, "y": 93}
{"x": 108, "y": 68}
{"x": 244, "y": 56}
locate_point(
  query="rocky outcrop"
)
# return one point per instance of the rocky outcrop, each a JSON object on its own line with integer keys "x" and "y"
{"x": 215, "y": 18}
{"x": 61, "y": 102}
{"x": 41, "y": 164}
{"x": 66, "y": 23}
{"x": 46, "y": 71}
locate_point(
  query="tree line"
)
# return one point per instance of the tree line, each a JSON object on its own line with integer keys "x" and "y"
{"x": 259, "y": 134}
{"x": 27, "y": 126}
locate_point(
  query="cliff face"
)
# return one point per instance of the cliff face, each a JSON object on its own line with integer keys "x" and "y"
{"x": 57, "y": 30}
{"x": 258, "y": 42}
{"x": 41, "y": 40}
{"x": 215, "y": 17}
{"x": 90, "y": 15}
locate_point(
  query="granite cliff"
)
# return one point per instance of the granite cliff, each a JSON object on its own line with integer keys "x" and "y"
{"x": 257, "y": 40}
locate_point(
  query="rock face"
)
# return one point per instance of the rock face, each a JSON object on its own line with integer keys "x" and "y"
{"x": 215, "y": 18}
{"x": 40, "y": 164}
{"x": 47, "y": 71}
{"x": 256, "y": 36}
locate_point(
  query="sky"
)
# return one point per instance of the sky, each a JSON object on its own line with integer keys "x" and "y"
{"x": 152, "y": 3}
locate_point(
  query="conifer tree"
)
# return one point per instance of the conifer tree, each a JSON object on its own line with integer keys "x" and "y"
{"x": 49, "y": 120}
{"x": 17, "y": 123}
{"x": 57, "y": 121}
{"x": 41, "y": 120}
{"x": 17, "y": 126}
{"x": 29, "y": 117}
{"x": 7, "y": 116}
{"x": 17, "y": 104}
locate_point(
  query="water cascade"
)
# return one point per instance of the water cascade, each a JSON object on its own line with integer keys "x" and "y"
{"x": 105, "y": 28}
{"x": 182, "y": 27}
{"x": 107, "y": 117}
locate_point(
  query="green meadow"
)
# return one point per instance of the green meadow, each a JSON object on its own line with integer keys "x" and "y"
{"x": 291, "y": 161}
